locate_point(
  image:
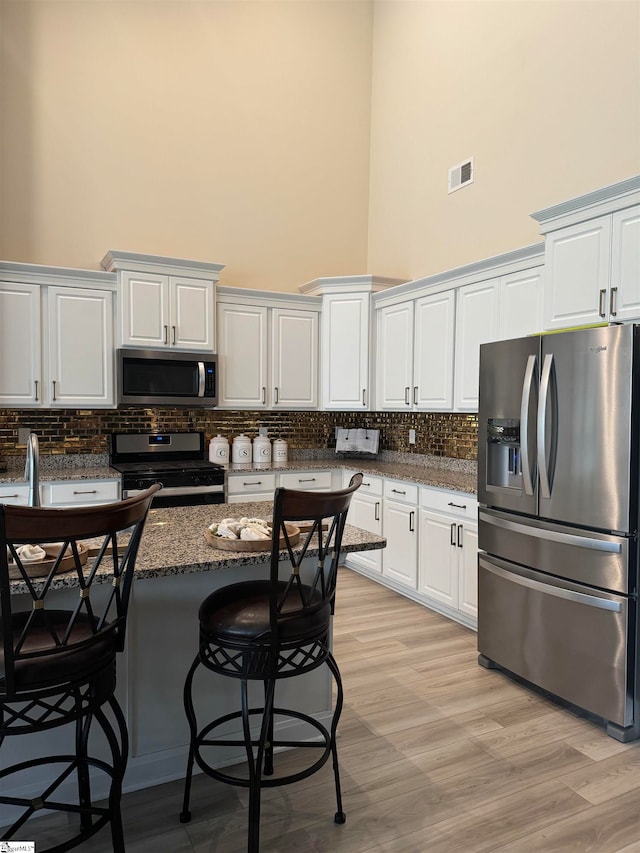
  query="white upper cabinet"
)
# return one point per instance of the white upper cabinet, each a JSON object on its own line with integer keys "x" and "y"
{"x": 521, "y": 299}
{"x": 56, "y": 337}
{"x": 433, "y": 351}
{"x": 477, "y": 322}
{"x": 346, "y": 344}
{"x": 592, "y": 257}
{"x": 165, "y": 302}
{"x": 394, "y": 357}
{"x": 80, "y": 364}
{"x": 267, "y": 351}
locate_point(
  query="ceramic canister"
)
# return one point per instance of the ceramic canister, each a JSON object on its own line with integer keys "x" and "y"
{"x": 219, "y": 450}
{"x": 241, "y": 449}
{"x": 261, "y": 449}
{"x": 280, "y": 450}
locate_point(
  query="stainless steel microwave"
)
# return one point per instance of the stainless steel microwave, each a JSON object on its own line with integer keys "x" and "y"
{"x": 165, "y": 378}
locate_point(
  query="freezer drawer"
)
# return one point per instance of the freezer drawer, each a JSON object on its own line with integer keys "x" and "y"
{"x": 586, "y": 557}
{"x": 565, "y": 638}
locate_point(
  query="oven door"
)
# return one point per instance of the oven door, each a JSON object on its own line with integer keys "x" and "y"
{"x": 567, "y": 638}
{"x": 183, "y": 495}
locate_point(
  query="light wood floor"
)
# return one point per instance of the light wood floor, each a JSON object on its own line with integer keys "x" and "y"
{"x": 437, "y": 755}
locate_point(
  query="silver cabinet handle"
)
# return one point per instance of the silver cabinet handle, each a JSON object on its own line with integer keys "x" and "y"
{"x": 453, "y": 534}
{"x": 459, "y": 536}
{"x": 612, "y": 301}
{"x": 527, "y": 479}
{"x": 364, "y": 396}
{"x": 411, "y": 521}
{"x": 376, "y": 510}
{"x": 545, "y": 486}
{"x": 173, "y": 332}
{"x": 457, "y": 506}
{"x": 407, "y": 391}
{"x": 36, "y": 382}
{"x": 54, "y": 389}
{"x": 86, "y": 492}
{"x": 276, "y": 394}
{"x": 601, "y": 311}
{"x": 264, "y": 395}
{"x": 165, "y": 337}
{"x": 415, "y": 395}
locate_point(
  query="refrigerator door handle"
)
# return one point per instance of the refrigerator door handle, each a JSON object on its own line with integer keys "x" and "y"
{"x": 524, "y": 424}
{"x": 545, "y": 487}
{"x": 549, "y": 589}
{"x": 554, "y": 535}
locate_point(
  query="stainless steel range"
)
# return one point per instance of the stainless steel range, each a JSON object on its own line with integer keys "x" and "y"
{"x": 175, "y": 459}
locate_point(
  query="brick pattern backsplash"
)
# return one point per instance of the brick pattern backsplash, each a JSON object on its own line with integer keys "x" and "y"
{"x": 62, "y": 431}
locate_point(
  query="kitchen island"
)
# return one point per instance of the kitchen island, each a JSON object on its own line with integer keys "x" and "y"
{"x": 175, "y": 570}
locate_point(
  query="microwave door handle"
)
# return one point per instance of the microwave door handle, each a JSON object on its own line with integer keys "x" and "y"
{"x": 201, "y": 379}
{"x": 527, "y": 383}
{"x": 545, "y": 487}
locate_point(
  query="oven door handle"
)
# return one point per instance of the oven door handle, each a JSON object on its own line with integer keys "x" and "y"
{"x": 201, "y": 379}
{"x": 550, "y": 589}
{"x": 178, "y": 491}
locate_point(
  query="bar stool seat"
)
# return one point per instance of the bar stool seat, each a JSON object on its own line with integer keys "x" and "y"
{"x": 58, "y": 665}
{"x": 267, "y": 630}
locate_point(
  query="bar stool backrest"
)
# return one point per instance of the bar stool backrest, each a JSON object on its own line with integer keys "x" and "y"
{"x": 327, "y": 514}
{"x": 99, "y": 545}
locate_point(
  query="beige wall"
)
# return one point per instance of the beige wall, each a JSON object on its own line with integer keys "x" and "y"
{"x": 544, "y": 95}
{"x": 235, "y": 132}
{"x": 240, "y": 131}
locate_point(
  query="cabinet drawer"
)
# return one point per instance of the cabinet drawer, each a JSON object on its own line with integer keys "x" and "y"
{"x": 396, "y": 490}
{"x": 451, "y": 503}
{"x": 371, "y": 485}
{"x": 306, "y": 480}
{"x": 14, "y": 495}
{"x": 81, "y": 492}
{"x": 253, "y": 482}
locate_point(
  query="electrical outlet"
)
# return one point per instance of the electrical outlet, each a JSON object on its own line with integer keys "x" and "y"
{"x": 263, "y": 430}
{"x": 23, "y": 435}
{"x": 412, "y": 436}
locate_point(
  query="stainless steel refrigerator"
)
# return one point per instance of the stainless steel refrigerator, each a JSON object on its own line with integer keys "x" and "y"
{"x": 558, "y": 472}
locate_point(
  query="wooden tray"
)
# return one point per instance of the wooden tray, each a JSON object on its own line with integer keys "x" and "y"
{"x": 250, "y": 544}
{"x": 41, "y": 568}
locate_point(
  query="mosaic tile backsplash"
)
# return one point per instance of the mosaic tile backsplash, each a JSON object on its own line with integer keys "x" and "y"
{"x": 64, "y": 431}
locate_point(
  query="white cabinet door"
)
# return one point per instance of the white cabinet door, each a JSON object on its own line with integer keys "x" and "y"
{"x": 467, "y": 536}
{"x": 294, "y": 361}
{"x": 521, "y": 298}
{"x": 394, "y": 357}
{"x": 80, "y": 368}
{"x": 15, "y": 495}
{"x": 80, "y": 493}
{"x": 400, "y": 557}
{"x": 433, "y": 352}
{"x": 476, "y": 323}
{"x": 577, "y": 262}
{"x": 624, "y": 295}
{"x": 242, "y": 358}
{"x": 365, "y": 512}
{"x": 192, "y": 312}
{"x": 20, "y": 348}
{"x": 438, "y": 558}
{"x": 144, "y": 310}
{"x": 345, "y": 352}
{"x": 160, "y": 311}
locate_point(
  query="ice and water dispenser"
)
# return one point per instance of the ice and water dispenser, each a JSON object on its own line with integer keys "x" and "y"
{"x": 503, "y": 453}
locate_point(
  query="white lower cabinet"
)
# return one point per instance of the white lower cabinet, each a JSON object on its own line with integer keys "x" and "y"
{"x": 250, "y": 486}
{"x": 449, "y": 551}
{"x": 306, "y": 480}
{"x": 365, "y": 512}
{"x": 15, "y": 494}
{"x": 400, "y": 528}
{"x": 66, "y": 493}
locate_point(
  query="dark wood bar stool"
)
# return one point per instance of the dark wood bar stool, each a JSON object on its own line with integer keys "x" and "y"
{"x": 272, "y": 629}
{"x": 58, "y": 666}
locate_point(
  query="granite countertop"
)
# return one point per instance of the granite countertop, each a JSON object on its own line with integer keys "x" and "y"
{"x": 173, "y": 543}
{"x": 441, "y": 472}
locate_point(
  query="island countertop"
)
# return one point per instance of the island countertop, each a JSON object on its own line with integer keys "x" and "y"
{"x": 173, "y": 543}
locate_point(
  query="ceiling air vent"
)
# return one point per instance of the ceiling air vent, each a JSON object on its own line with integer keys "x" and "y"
{"x": 461, "y": 175}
